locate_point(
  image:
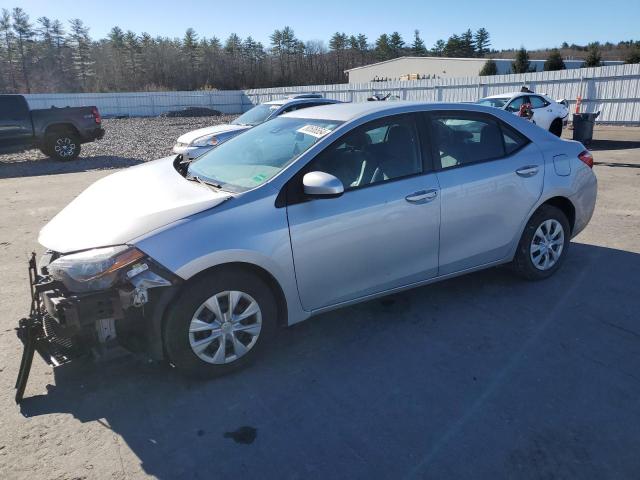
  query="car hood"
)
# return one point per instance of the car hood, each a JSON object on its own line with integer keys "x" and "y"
{"x": 125, "y": 205}
{"x": 226, "y": 128}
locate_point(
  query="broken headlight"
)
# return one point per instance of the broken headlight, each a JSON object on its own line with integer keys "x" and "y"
{"x": 96, "y": 269}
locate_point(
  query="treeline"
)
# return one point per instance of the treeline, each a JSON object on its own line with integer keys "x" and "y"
{"x": 47, "y": 55}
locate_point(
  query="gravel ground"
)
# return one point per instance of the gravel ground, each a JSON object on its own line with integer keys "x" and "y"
{"x": 128, "y": 141}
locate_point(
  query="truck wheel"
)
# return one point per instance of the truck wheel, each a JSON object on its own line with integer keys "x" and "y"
{"x": 45, "y": 151}
{"x": 62, "y": 146}
{"x": 556, "y": 127}
{"x": 220, "y": 323}
{"x": 543, "y": 245}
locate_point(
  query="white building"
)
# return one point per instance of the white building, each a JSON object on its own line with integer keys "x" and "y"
{"x": 414, "y": 68}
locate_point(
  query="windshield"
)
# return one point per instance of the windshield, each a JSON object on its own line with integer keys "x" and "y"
{"x": 256, "y": 115}
{"x": 252, "y": 158}
{"x": 493, "y": 102}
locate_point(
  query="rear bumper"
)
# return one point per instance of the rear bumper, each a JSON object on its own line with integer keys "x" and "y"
{"x": 93, "y": 134}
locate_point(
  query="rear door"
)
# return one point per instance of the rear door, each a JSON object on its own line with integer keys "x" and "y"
{"x": 382, "y": 232}
{"x": 490, "y": 178}
{"x": 15, "y": 122}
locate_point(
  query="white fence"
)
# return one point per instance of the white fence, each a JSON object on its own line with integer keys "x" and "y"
{"x": 612, "y": 90}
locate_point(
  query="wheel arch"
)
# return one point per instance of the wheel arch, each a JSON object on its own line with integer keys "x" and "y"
{"x": 163, "y": 305}
{"x": 59, "y": 128}
{"x": 253, "y": 269}
{"x": 561, "y": 202}
{"x": 564, "y": 205}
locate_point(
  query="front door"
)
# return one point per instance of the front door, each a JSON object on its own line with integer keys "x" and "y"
{"x": 382, "y": 232}
{"x": 490, "y": 178}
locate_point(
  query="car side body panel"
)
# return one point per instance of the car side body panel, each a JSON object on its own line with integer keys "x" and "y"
{"x": 256, "y": 231}
{"x": 253, "y": 231}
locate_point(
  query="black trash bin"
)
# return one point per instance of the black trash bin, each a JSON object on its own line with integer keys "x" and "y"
{"x": 583, "y": 126}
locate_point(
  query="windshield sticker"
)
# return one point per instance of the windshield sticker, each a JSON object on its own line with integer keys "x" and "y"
{"x": 259, "y": 178}
{"x": 314, "y": 131}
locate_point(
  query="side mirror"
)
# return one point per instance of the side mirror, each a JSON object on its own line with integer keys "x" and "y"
{"x": 322, "y": 184}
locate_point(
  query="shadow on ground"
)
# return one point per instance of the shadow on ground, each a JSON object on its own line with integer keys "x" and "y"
{"x": 597, "y": 145}
{"x": 520, "y": 380}
{"x": 48, "y": 166}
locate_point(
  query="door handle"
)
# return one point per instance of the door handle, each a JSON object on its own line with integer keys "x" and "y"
{"x": 528, "y": 171}
{"x": 422, "y": 196}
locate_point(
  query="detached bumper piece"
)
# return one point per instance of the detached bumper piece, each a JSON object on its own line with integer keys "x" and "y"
{"x": 39, "y": 332}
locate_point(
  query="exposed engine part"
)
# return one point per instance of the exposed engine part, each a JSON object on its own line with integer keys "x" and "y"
{"x": 143, "y": 279}
{"x": 106, "y": 328}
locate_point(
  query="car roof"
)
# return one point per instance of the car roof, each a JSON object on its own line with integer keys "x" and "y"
{"x": 515, "y": 94}
{"x": 289, "y": 101}
{"x": 345, "y": 112}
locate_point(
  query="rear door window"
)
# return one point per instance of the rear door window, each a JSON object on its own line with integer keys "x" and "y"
{"x": 516, "y": 103}
{"x": 464, "y": 138}
{"x": 538, "y": 102}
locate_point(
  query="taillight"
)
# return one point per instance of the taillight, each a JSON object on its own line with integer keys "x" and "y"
{"x": 96, "y": 115}
{"x": 586, "y": 158}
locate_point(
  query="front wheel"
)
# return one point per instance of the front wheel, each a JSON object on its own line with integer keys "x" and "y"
{"x": 220, "y": 323}
{"x": 543, "y": 245}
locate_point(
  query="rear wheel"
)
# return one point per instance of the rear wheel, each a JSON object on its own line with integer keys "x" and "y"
{"x": 556, "y": 127}
{"x": 220, "y": 323}
{"x": 62, "y": 146}
{"x": 543, "y": 245}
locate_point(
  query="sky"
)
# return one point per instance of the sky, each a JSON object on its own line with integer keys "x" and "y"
{"x": 536, "y": 24}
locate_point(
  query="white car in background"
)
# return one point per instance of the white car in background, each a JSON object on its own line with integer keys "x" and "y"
{"x": 195, "y": 143}
{"x": 547, "y": 113}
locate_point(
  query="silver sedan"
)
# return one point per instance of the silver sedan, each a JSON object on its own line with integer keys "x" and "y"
{"x": 311, "y": 211}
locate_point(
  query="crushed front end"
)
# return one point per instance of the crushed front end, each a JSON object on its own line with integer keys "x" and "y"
{"x": 90, "y": 304}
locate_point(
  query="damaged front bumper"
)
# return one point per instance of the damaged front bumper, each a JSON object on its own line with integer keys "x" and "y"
{"x": 63, "y": 326}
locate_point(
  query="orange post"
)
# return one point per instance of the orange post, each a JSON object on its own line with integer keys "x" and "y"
{"x": 578, "y": 103}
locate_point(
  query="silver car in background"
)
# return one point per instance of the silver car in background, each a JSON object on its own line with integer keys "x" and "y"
{"x": 314, "y": 210}
{"x": 193, "y": 144}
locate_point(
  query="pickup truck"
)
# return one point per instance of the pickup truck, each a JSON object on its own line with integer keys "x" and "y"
{"x": 57, "y": 132}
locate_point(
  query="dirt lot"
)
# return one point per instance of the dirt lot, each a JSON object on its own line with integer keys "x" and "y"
{"x": 483, "y": 376}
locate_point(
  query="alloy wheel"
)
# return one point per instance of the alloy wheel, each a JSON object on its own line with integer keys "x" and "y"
{"x": 65, "y": 147}
{"x": 225, "y": 327}
{"x": 547, "y": 244}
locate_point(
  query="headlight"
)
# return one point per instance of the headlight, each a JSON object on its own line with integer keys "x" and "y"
{"x": 206, "y": 141}
{"x": 95, "y": 269}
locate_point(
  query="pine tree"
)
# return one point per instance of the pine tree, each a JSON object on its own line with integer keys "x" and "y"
{"x": 438, "y": 48}
{"x": 633, "y": 56}
{"x": 554, "y": 61}
{"x": 383, "y": 48}
{"x": 593, "y": 57}
{"x": 482, "y": 42}
{"x": 468, "y": 49}
{"x": 417, "y": 48}
{"x": 396, "y": 44}
{"x": 9, "y": 45}
{"x": 490, "y": 68}
{"x": 454, "y": 47}
{"x": 24, "y": 33}
{"x": 81, "y": 46}
{"x": 521, "y": 63}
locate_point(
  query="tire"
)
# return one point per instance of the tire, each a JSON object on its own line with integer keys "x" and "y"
{"x": 45, "y": 151}
{"x": 540, "y": 239}
{"x": 189, "y": 312}
{"x": 62, "y": 146}
{"x": 556, "y": 127}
